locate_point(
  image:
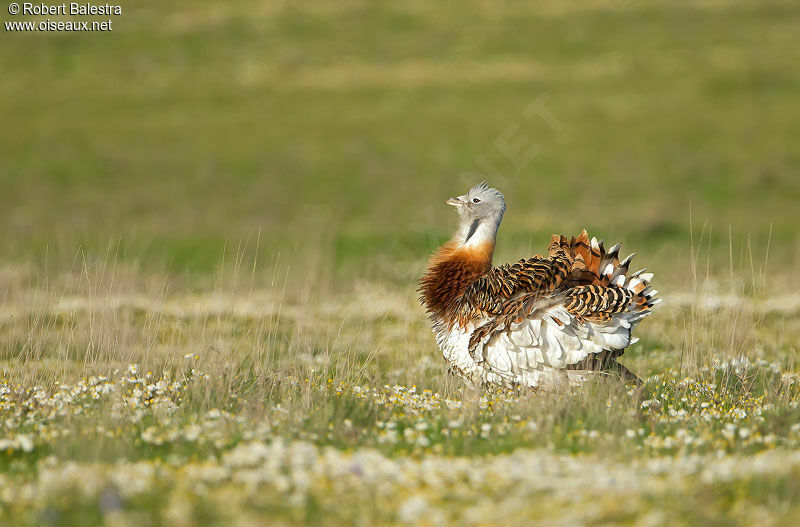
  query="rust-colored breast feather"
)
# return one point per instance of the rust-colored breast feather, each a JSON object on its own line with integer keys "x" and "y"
{"x": 450, "y": 272}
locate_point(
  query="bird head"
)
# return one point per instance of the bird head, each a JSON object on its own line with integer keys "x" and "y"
{"x": 480, "y": 203}
{"x": 481, "y": 208}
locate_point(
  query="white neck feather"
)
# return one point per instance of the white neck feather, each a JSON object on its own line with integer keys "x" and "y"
{"x": 472, "y": 235}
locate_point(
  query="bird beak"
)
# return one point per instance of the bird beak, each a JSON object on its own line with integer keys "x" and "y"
{"x": 456, "y": 202}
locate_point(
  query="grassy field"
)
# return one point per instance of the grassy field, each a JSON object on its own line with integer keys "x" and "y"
{"x": 214, "y": 217}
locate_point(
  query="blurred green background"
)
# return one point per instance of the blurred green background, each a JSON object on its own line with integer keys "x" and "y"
{"x": 333, "y": 131}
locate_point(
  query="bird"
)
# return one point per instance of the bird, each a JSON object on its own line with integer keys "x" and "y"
{"x": 542, "y": 322}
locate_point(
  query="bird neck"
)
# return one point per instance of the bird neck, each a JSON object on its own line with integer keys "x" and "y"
{"x": 458, "y": 264}
{"x": 478, "y": 233}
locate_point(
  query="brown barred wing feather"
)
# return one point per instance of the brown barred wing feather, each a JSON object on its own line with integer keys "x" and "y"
{"x": 503, "y": 287}
{"x": 577, "y": 302}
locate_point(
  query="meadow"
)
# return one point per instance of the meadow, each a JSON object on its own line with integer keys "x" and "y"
{"x": 214, "y": 218}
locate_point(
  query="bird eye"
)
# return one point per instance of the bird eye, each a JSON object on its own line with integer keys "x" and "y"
{"x": 475, "y": 200}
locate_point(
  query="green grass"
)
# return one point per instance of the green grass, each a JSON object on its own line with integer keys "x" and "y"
{"x": 256, "y": 186}
{"x": 189, "y": 127}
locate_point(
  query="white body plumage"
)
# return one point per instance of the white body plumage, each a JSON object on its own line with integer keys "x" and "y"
{"x": 535, "y": 352}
